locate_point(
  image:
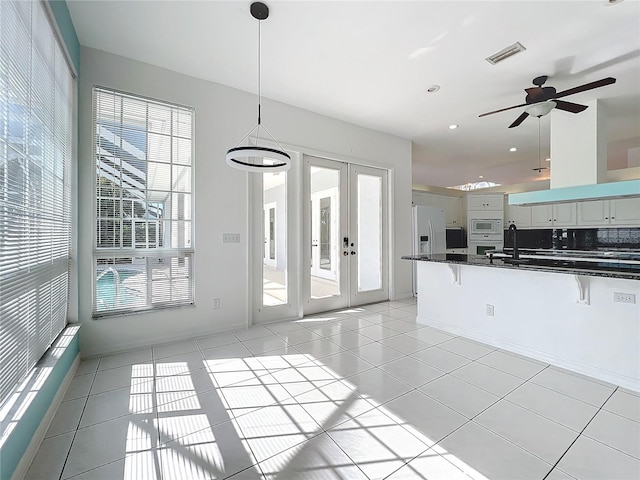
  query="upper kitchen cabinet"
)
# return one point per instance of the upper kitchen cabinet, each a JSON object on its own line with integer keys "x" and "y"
{"x": 489, "y": 202}
{"x": 518, "y": 215}
{"x": 619, "y": 211}
{"x": 452, "y": 211}
{"x": 556, "y": 215}
{"x": 593, "y": 213}
{"x": 564, "y": 214}
{"x": 624, "y": 211}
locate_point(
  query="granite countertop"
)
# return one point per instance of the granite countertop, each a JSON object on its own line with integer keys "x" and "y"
{"x": 613, "y": 268}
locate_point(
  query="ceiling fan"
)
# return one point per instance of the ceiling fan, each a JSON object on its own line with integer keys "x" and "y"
{"x": 541, "y": 100}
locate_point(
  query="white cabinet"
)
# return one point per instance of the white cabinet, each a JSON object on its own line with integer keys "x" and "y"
{"x": 520, "y": 215}
{"x": 541, "y": 216}
{"x": 624, "y": 211}
{"x": 556, "y": 215}
{"x": 564, "y": 215}
{"x": 452, "y": 209}
{"x": 490, "y": 202}
{"x": 617, "y": 211}
{"x": 593, "y": 213}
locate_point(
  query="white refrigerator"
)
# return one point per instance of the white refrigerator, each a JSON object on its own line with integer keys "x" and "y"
{"x": 428, "y": 234}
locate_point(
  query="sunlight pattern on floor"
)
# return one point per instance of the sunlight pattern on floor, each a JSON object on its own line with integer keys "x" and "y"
{"x": 363, "y": 393}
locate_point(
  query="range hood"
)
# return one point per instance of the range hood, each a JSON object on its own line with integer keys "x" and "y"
{"x": 580, "y": 192}
{"x": 578, "y": 161}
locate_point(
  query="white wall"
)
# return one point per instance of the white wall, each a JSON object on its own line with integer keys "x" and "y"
{"x": 538, "y": 314}
{"x": 223, "y": 116}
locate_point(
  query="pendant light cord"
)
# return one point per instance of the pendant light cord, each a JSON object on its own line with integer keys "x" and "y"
{"x": 259, "y": 73}
{"x": 259, "y": 124}
{"x": 539, "y": 165}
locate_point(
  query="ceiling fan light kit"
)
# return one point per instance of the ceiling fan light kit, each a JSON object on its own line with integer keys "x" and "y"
{"x": 540, "y": 109}
{"x": 256, "y": 158}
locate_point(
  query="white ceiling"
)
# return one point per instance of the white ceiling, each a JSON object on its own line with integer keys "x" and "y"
{"x": 370, "y": 63}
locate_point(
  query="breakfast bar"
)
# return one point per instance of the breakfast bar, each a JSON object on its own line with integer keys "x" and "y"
{"x": 575, "y": 310}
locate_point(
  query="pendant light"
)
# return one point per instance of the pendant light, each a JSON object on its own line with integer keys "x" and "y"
{"x": 254, "y": 158}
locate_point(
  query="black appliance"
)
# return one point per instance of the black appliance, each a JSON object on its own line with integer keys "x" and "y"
{"x": 456, "y": 237}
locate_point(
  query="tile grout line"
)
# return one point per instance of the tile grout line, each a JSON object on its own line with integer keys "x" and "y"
{"x": 75, "y": 432}
{"x": 579, "y": 434}
{"x": 469, "y": 420}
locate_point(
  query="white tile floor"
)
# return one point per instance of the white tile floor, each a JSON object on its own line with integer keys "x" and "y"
{"x": 363, "y": 394}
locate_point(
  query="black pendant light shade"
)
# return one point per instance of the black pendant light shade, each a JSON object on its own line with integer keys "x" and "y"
{"x": 254, "y": 158}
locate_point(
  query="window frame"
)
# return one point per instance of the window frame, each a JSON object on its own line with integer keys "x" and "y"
{"x": 149, "y": 254}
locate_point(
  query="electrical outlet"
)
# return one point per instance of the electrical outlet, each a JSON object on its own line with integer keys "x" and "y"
{"x": 230, "y": 238}
{"x": 624, "y": 297}
{"x": 490, "y": 310}
{"x": 216, "y": 303}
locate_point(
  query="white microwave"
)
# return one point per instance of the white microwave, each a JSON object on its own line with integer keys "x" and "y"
{"x": 486, "y": 226}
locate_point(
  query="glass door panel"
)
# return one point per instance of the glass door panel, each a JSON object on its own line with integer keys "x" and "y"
{"x": 325, "y": 224}
{"x": 274, "y": 261}
{"x": 369, "y": 232}
{"x": 368, "y": 254}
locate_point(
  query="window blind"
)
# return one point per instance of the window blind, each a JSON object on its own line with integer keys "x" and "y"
{"x": 36, "y": 106}
{"x": 144, "y": 202}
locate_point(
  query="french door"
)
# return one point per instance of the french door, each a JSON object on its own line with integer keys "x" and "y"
{"x": 346, "y": 234}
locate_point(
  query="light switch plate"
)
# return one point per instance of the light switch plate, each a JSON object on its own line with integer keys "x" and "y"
{"x": 230, "y": 238}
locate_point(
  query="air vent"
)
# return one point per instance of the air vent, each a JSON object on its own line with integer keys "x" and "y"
{"x": 505, "y": 53}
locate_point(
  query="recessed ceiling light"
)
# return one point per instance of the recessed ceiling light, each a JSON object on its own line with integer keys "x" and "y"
{"x": 513, "y": 149}
{"x": 453, "y": 126}
{"x": 548, "y": 159}
{"x": 480, "y": 176}
{"x": 433, "y": 88}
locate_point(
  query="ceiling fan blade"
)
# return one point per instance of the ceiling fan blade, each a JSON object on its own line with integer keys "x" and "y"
{"x": 570, "y": 107}
{"x": 519, "y": 120}
{"x": 503, "y": 110}
{"x": 585, "y": 87}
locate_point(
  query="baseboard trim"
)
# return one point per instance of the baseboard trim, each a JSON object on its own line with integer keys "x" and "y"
{"x": 126, "y": 346}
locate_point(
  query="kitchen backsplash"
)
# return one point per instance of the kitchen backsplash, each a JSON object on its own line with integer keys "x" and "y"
{"x": 577, "y": 238}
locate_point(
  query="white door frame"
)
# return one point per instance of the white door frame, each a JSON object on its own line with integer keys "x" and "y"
{"x": 340, "y": 300}
{"x": 257, "y": 312}
{"x": 347, "y": 257}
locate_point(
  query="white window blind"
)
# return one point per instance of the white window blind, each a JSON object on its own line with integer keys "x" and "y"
{"x": 36, "y": 135}
{"x": 144, "y": 201}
